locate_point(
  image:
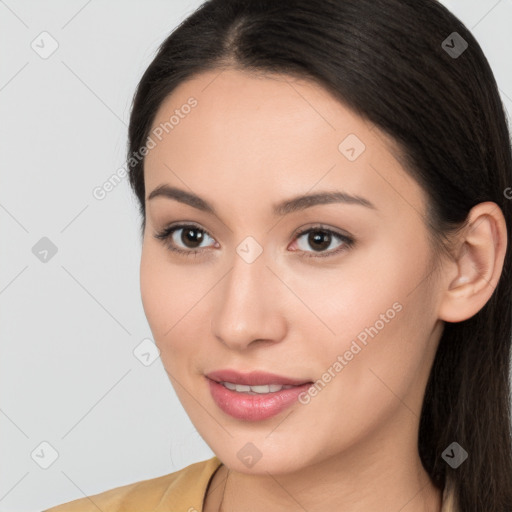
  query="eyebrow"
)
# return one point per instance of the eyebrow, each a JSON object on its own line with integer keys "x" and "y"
{"x": 294, "y": 204}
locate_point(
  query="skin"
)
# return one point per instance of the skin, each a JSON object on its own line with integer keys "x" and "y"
{"x": 253, "y": 141}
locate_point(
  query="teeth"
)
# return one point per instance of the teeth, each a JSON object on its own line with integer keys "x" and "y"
{"x": 254, "y": 390}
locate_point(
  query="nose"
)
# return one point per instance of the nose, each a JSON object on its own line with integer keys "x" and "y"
{"x": 249, "y": 305}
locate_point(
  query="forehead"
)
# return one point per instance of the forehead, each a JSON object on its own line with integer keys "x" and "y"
{"x": 234, "y": 132}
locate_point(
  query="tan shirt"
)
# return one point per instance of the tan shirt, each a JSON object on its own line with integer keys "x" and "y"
{"x": 181, "y": 491}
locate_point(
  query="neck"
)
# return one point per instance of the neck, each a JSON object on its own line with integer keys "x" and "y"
{"x": 384, "y": 476}
{"x": 273, "y": 492}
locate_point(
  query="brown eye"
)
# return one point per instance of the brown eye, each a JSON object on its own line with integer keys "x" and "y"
{"x": 320, "y": 239}
{"x": 184, "y": 238}
{"x": 190, "y": 237}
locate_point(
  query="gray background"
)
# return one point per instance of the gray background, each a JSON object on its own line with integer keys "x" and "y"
{"x": 69, "y": 325}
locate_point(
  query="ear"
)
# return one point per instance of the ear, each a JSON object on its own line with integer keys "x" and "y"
{"x": 470, "y": 279}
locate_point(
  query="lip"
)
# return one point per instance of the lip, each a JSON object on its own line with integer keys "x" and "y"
{"x": 254, "y": 378}
{"x": 244, "y": 406}
{"x": 251, "y": 407}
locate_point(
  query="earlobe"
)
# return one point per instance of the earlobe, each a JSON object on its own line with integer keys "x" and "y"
{"x": 478, "y": 265}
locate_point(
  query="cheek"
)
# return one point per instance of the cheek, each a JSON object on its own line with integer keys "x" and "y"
{"x": 171, "y": 298}
{"x": 380, "y": 312}
{"x": 370, "y": 289}
{"x": 152, "y": 288}
{"x": 162, "y": 292}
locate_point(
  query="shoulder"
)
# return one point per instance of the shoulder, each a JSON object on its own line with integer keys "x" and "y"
{"x": 183, "y": 489}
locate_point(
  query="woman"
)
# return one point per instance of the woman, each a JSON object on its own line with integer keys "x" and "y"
{"x": 325, "y": 188}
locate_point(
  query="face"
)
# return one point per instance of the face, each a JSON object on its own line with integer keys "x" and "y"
{"x": 335, "y": 293}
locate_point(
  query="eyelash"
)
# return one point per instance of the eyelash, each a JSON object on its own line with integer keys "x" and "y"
{"x": 167, "y": 232}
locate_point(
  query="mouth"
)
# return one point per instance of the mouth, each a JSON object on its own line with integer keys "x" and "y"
{"x": 254, "y": 396}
